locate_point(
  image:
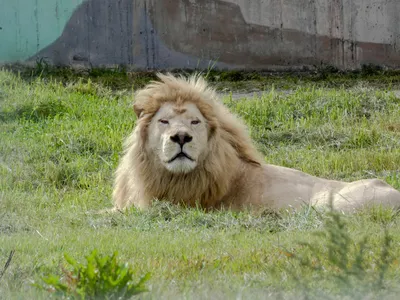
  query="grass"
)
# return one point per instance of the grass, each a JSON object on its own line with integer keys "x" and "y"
{"x": 238, "y": 80}
{"x": 60, "y": 143}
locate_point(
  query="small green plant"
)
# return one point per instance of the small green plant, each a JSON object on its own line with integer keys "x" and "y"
{"x": 42, "y": 66}
{"x": 101, "y": 277}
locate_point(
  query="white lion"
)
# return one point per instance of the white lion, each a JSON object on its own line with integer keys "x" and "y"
{"x": 188, "y": 148}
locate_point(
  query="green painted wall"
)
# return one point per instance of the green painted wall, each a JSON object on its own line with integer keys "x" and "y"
{"x": 28, "y": 26}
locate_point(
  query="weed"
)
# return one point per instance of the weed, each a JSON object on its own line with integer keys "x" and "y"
{"x": 341, "y": 261}
{"x": 101, "y": 277}
{"x": 41, "y": 67}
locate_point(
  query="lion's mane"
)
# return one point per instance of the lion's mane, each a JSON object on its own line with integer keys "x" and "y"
{"x": 140, "y": 177}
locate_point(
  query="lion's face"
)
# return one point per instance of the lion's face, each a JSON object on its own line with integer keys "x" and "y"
{"x": 178, "y": 136}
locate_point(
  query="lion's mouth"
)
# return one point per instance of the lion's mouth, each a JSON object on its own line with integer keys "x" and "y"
{"x": 180, "y": 155}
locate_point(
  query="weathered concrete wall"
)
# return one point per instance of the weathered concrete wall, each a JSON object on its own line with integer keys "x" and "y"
{"x": 250, "y": 34}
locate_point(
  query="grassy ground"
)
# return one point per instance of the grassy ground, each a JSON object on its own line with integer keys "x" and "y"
{"x": 120, "y": 78}
{"x": 59, "y": 147}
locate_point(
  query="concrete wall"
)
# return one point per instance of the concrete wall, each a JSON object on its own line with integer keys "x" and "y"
{"x": 250, "y": 34}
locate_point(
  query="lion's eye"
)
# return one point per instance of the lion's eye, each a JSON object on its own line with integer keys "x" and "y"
{"x": 163, "y": 121}
{"x": 195, "y": 122}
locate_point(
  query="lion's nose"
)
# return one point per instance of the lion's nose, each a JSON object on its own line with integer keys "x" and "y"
{"x": 181, "y": 138}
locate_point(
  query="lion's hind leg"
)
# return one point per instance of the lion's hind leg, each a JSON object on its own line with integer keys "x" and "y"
{"x": 366, "y": 193}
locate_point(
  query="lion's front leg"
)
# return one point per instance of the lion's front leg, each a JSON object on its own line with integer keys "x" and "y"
{"x": 127, "y": 192}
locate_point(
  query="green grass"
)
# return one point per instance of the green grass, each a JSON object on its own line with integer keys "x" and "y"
{"x": 238, "y": 80}
{"x": 59, "y": 146}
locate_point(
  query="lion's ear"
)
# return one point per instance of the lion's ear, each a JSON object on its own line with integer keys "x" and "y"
{"x": 138, "y": 110}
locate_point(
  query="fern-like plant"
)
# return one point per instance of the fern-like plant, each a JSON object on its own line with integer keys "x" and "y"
{"x": 345, "y": 264}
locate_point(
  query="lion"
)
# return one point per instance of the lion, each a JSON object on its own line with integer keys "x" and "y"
{"x": 188, "y": 148}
